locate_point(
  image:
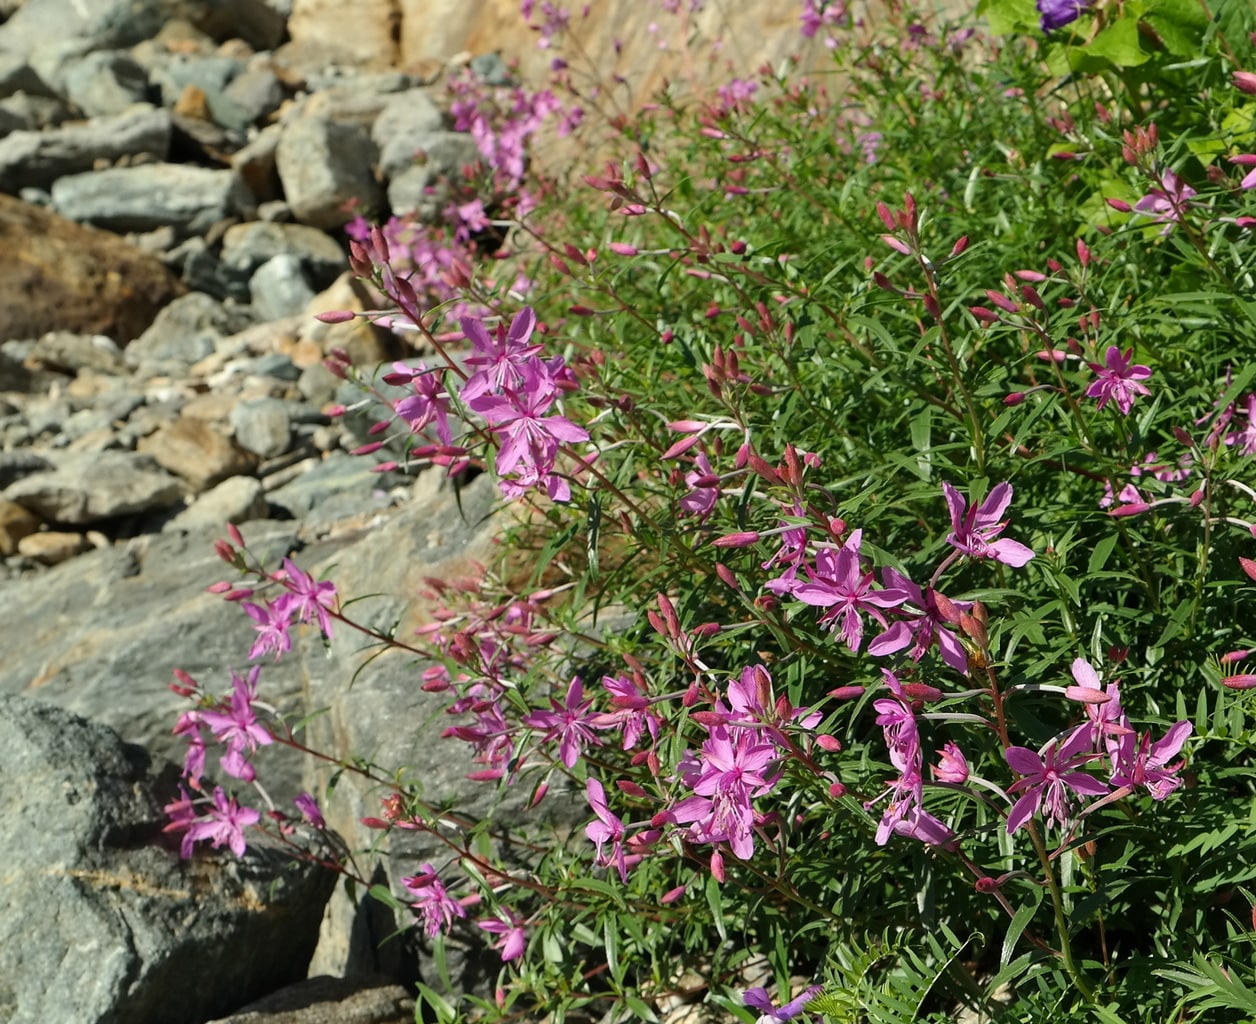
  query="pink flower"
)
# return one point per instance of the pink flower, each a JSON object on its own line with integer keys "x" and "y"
{"x": 308, "y": 598}
{"x": 1049, "y": 779}
{"x": 1118, "y": 381}
{"x": 1143, "y": 763}
{"x": 223, "y": 824}
{"x": 571, "y": 723}
{"x": 608, "y": 828}
{"x": 952, "y": 766}
{"x": 237, "y": 724}
{"x": 974, "y": 531}
{"x": 839, "y": 583}
{"x": 272, "y": 627}
{"x": 1168, "y": 203}
{"x": 437, "y": 909}
{"x": 512, "y": 940}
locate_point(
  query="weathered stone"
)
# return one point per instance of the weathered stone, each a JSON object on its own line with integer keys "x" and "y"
{"x": 194, "y": 450}
{"x": 100, "y": 24}
{"x": 280, "y": 287}
{"x": 190, "y": 199}
{"x": 255, "y": 163}
{"x": 102, "y": 634}
{"x": 327, "y": 1000}
{"x": 100, "y": 922}
{"x": 209, "y": 73}
{"x": 251, "y": 96}
{"x": 422, "y": 188}
{"x": 237, "y": 500}
{"x": 86, "y": 488}
{"x": 58, "y": 275}
{"x": 51, "y": 547}
{"x": 106, "y": 82}
{"x": 324, "y": 166}
{"x": 245, "y": 247}
{"x": 39, "y": 158}
{"x": 16, "y": 522}
{"x": 187, "y": 330}
{"x": 68, "y": 352}
{"x": 263, "y": 426}
{"x": 402, "y": 128}
{"x": 261, "y": 23}
{"x": 368, "y": 38}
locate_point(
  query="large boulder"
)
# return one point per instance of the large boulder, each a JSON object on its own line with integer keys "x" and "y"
{"x": 100, "y": 920}
{"x": 58, "y": 275}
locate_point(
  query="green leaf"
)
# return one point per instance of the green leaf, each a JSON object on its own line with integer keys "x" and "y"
{"x": 1119, "y": 43}
{"x": 1020, "y": 921}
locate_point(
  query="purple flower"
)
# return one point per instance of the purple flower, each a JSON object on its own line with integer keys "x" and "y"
{"x": 499, "y": 359}
{"x": 608, "y": 828}
{"x": 308, "y": 598}
{"x": 1143, "y": 763}
{"x": 237, "y": 724}
{"x": 1058, "y": 13}
{"x": 1048, "y": 778}
{"x": 428, "y": 403}
{"x": 1118, "y": 380}
{"x": 921, "y": 629}
{"x": 437, "y": 909}
{"x": 308, "y": 807}
{"x": 973, "y": 531}
{"x": 223, "y": 824}
{"x": 705, "y": 488}
{"x": 511, "y": 937}
{"x": 840, "y": 584}
{"x": 757, "y": 999}
{"x": 272, "y": 627}
{"x": 571, "y": 723}
{"x": 1168, "y": 203}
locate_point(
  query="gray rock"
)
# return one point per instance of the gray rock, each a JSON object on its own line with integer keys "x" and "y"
{"x": 67, "y": 352}
{"x": 402, "y": 129}
{"x": 260, "y": 23}
{"x": 327, "y": 1000}
{"x": 255, "y": 163}
{"x": 421, "y": 188}
{"x": 189, "y": 199}
{"x": 101, "y": 24}
{"x": 16, "y": 75}
{"x": 277, "y": 365}
{"x": 492, "y": 70}
{"x": 336, "y": 487}
{"x": 106, "y": 82}
{"x": 15, "y": 465}
{"x": 280, "y": 288}
{"x": 187, "y": 330}
{"x": 87, "y": 488}
{"x": 263, "y": 427}
{"x": 33, "y": 113}
{"x": 100, "y": 921}
{"x": 245, "y": 247}
{"x": 236, "y": 500}
{"x": 102, "y": 634}
{"x": 357, "y": 97}
{"x": 324, "y": 166}
{"x": 40, "y": 158}
{"x": 211, "y": 73}
{"x": 251, "y": 96}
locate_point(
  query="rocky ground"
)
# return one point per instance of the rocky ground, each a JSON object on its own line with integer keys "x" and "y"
{"x": 174, "y": 178}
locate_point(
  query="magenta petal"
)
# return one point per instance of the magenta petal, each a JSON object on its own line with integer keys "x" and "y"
{"x": 1024, "y": 761}
{"x": 1023, "y": 810}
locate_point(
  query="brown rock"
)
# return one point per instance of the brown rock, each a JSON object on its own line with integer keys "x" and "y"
{"x": 52, "y": 546}
{"x": 193, "y": 103}
{"x": 56, "y": 275}
{"x": 367, "y": 39}
{"x": 197, "y": 452}
{"x": 15, "y": 523}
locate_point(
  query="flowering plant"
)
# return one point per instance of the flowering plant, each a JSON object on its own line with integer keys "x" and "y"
{"x": 888, "y": 617}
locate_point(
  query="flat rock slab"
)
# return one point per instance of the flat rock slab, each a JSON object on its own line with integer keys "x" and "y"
{"x": 88, "y": 488}
{"x": 100, "y": 921}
